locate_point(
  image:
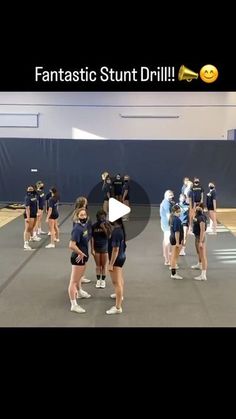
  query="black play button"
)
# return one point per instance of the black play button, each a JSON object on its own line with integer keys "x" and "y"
{"x": 140, "y": 207}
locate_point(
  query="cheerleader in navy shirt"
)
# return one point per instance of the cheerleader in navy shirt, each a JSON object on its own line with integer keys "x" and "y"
{"x": 107, "y": 192}
{"x": 117, "y": 257}
{"x": 199, "y": 230}
{"x": 100, "y": 232}
{"x": 184, "y": 217}
{"x": 211, "y": 207}
{"x": 176, "y": 238}
{"x": 30, "y": 215}
{"x": 52, "y": 217}
{"x": 41, "y": 204}
{"x": 79, "y": 257}
{"x": 82, "y": 202}
{"x": 118, "y": 186}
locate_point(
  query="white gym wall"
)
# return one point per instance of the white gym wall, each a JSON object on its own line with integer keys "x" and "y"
{"x": 145, "y": 115}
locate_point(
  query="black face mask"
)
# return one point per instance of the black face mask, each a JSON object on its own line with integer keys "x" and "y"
{"x": 101, "y": 220}
{"x": 196, "y": 183}
{"x": 211, "y": 187}
{"x": 82, "y": 220}
{"x": 30, "y": 192}
{"x": 199, "y": 212}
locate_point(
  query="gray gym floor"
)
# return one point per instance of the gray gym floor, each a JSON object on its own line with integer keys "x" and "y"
{"x": 33, "y": 285}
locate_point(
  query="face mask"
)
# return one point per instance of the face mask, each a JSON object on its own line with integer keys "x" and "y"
{"x": 211, "y": 187}
{"x": 196, "y": 183}
{"x": 198, "y": 212}
{"x": 101, "y": 219}
{"x": 30, "y": 192}
{"x": 126, "y": 181}
{"x": 82, "y": 220}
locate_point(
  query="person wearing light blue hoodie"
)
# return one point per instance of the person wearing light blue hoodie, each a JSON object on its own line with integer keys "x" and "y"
{"x": 165, "y": 211}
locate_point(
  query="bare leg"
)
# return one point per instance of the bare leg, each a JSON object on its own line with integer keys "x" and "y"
{"x": 117, "y": 280}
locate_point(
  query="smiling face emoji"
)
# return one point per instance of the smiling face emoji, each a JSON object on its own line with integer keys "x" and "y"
{"x": 209, "y": 73}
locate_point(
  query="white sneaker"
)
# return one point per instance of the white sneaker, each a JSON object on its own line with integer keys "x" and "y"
{"x": 78, "y": 309}
{"x": 201, "y": 278}
{"x": 176, "y": 276}
{"x": 49, "y": 233}
{"x": 85, "y": 281}
{"x": 42, "y": 232}
{"x": 35, "y": 239}
{"x": 102, "y": 283}
{"x": 27, "y": 247}
{"x": 197, "y": 266}
{"x": 182, "y": 252}
{"x": 50, "y": 246}
{"x": 98, "y": 284}
{"x": 83, "y": 294}
{"x": 114, "y": 296}
{"x": 114, "y": 310}
{"x": 56, "y": 240}
{"x": 167, "y": 263}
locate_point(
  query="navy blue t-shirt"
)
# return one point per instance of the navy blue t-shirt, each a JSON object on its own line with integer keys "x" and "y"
{"x": 196, "y": 223}
{"x": 176, "y": 226}
{"x": 210, "y": 197}
{"x": 53, "y": 203}
{"x": 99, "y": 236}
{"x": 197, "y": 192}
{"x": 126, "y": 188}
{"x": 107, "y": 189}
{"x": 31, "y": 201}
{"x": 118, "y": 185}
{"x": 117, "y": 240}
{"x": 80, "y": 235}
{"x": 89, "y": 227}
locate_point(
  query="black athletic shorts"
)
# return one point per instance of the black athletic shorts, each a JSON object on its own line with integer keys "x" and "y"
{"x": 120, "y": 261}
{"x": 31, "y": 216}
{"x": 101, "y": 249}
{"x": 80, "y": 263}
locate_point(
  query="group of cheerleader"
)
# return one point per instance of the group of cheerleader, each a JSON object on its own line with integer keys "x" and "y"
{"x": 117, "y": 187}
{"x": 188, "y": 216}
{"x": 106, "y": 241}
{"x": 35, "y": 200}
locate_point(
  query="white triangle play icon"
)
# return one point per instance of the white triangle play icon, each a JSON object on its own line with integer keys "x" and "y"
{"x": 117, "y": 210}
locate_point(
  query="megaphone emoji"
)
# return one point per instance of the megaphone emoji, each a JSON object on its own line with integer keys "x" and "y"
{"x": 186, "y": 74}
